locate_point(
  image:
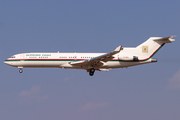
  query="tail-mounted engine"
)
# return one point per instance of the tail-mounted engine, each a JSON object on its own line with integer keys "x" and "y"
{"x": 128, "y": 58}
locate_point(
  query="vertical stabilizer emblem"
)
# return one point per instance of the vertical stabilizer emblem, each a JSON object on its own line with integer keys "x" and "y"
{"x": 144, "y": 49}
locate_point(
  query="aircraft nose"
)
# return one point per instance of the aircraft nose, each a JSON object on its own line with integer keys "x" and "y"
{"x": 7, "y": 62}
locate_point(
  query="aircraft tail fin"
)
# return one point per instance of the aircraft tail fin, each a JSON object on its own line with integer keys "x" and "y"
{"x": 152, "y": 45}
{"x": 148, "y": 48}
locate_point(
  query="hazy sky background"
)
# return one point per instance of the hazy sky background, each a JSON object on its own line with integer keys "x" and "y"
{"x": 147, "y": 92}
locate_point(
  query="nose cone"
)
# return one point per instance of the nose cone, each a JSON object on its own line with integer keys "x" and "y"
{"x": 7, "y": 62}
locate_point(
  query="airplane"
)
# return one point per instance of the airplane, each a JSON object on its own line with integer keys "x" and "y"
{"x": 121, "y": 57}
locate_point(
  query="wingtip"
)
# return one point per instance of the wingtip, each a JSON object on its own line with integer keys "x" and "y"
{"x": 173, "y": 36}
{"x": 118, "y": 49}
{"x": 170, "y": 38}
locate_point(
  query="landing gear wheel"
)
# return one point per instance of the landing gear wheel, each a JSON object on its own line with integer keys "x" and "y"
{"x": 91, "y": 72}
{"x": 20, "y": 70}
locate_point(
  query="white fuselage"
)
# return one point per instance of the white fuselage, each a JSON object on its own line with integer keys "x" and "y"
{"x": 62, "y": 60}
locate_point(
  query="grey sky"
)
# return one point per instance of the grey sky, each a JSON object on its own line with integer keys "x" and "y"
{"x": 147, "y": 92}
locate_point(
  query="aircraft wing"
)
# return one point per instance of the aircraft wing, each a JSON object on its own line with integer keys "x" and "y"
{"x": 97, "y": 61}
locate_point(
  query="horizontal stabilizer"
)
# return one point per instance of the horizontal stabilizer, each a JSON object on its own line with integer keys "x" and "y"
{"x": 165, "y": 40}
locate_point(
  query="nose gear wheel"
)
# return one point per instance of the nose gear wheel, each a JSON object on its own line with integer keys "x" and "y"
{"x": 20, "y": 70}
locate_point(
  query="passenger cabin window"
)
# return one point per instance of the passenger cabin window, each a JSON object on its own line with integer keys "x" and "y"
{"x": 62, "y": 57}
{"x": 43, "y": 57}
{"x": 12, "y": 56}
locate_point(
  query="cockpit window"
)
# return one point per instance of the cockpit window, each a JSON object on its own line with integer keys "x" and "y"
{"x": 12, "y": 56}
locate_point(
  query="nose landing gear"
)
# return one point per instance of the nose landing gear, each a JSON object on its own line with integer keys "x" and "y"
{"x": 20, "y": 70}
{"x": 91, "y": 72}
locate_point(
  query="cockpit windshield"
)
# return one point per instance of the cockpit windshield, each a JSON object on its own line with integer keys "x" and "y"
{"x": 12, "y": 56}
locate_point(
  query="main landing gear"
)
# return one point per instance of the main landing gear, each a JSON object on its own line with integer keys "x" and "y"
{"x": 91, "y": 72}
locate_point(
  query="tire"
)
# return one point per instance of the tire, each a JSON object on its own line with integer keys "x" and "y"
{"x": 20, "y": 70}
{"x": 91, "y": 72}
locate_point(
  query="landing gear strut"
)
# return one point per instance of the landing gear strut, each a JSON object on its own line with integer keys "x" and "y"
{"x": 91, "y": 72}
{"x": 20, "y": 70}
